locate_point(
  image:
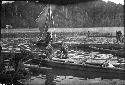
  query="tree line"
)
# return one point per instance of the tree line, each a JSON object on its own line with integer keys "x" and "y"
{"x": 22, "y": 14}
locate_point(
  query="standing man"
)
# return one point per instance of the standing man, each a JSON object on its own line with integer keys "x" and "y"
{"x": 46, "y": 37}
{"x": 88, "y": 33}
{"x": 118, "y": 36}
{"x": 1, "y": 57}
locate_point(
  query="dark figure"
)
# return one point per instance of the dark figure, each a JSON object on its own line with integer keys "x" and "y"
{"x": 16, "y": 59}
{"x": 44, "y": 42}
{"x": 1, "y": 48}
{"x": 118, "y": 35}
{"x": 64, "y": 50}
{"x": 88, "y": 34}
{"x": 48, "y": 38}
{"x": 58, "y": 54}
{"x": 1, "y": 57}
{"x": 2, "y": 68}
{"x": 49, "y": 78}
{"x": 49, "y": 51}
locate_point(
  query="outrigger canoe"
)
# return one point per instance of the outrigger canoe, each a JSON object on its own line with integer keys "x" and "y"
{"x": 82, "y": 67}
{"x": 61, "y": 63}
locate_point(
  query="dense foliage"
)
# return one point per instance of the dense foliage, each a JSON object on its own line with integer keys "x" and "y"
{"x": 22, "y": 14}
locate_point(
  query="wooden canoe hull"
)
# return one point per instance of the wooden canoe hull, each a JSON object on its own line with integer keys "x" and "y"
{"x": 85, "y": 74}
{"x": 88, "y": 71}
{"x": 89, "y": 68}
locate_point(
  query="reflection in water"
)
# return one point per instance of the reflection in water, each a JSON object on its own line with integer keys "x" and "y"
{"x": 49, "y": 78}
{"x": 58, "y": 76}
{"x": 38, "y": 77}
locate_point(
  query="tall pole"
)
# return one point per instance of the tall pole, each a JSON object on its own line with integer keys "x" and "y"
{"x": 50, "y": 16}
{"x": 124, "y": 39}
{"x": 51, "y": 21}
{"x": 44, "y": 19}
{"x": 66, "y": 13}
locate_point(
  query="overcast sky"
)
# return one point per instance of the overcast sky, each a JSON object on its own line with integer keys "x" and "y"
{"x": 3, "y": 2}
{"x": 115, "y": 1}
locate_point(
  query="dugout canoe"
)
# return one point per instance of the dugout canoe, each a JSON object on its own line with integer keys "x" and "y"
{"x": 83, "y": 75}
{"x": 86, "y": 67}
{"x": 115, "y": 49}
{"x": 81, "y": 67}
{"x": 79, "y": 73}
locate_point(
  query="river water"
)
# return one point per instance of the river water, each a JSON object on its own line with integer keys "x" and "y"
{"x": 59, "y": 76}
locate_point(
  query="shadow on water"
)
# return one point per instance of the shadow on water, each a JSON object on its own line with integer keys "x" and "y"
{"x": 59, "y": 75}
{"x": 85, "y": 74}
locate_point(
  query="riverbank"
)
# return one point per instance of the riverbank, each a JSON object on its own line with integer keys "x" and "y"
{"x": 94, "y": 29}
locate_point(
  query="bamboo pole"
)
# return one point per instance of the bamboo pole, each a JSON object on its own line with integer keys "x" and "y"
{"x": 124, "y": 39}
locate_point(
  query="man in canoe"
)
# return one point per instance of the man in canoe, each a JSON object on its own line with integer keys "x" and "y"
{"x": 45, "y": 44}
{"x": 2, "y": 68}
{"x": 118, "y": 36}
{"x": 107, "y": 64}
{"x": 64, "y": 50}
{"x": 45, "y": 41}
{"x": 49, "y": 51}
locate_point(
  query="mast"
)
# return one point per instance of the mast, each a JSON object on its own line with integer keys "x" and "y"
{"x": 124, "y": 39}
{"x": 45, "y": 19}
{"x": 51, "y": 21}
{"x": 42, "y": 19}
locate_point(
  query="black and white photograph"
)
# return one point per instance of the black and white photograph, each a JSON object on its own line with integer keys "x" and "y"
{"x": 62, "y": 42}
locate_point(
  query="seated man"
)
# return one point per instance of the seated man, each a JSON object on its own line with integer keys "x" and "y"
{"x": 49, "y": 51}
{"x": 64, "y": 50}
{"x": 43, "y": 43}
{"x": 107, "y": 64}
{"x": 58, "y": 54}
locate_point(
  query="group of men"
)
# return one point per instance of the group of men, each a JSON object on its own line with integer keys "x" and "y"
{"x": 46, "y": 44}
